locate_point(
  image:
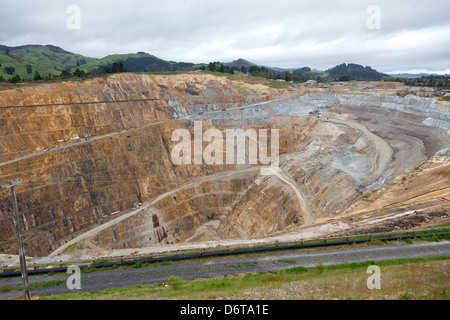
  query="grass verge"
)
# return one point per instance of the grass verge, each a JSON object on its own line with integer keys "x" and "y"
{"x": 418, "y": 278}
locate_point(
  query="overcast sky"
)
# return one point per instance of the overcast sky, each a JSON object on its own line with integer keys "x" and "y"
{"x": 413, "y": 35}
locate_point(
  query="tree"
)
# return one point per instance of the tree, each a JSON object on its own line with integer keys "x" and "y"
{"x": 118, "y": 67}
{"x": 79, "y": 73}
{"x": 212, "y": 67}
{"x": 7, "y": 51}
{"x": 344, "y": 78}
{"x": 287, "y": 76}
{"x": 29, "y": 69}
{"x": 244, "y": 69}
{"x": 37, "y": 76}
{"x": 15, "y": 79}
{"x": 66, "y": 73}
{"x": 10, "y": 70}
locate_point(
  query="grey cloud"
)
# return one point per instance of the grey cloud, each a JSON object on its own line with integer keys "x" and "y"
{"x": 285, "y": 33}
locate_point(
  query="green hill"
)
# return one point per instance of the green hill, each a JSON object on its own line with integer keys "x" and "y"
{"x": 24, "y": 61}
{"x": 11, "y": 65}
{"x": 49, "y": 59}
{"x": 239, "y": 63}
{"x": 137, "y": 62}
{"x": 303, "y": 70}
{"x": 354, "y": 72}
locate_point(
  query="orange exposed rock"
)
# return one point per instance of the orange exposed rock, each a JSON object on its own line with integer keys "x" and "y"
{"x": 75, "y": 187}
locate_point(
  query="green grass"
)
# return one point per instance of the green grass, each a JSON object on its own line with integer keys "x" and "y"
{"x": 76, "y": 247}
{"x": 424, "y": 277}
{"x": 6, "y": 288}
{"x": 50, "y": 57}
{"x": 44, "y": 284}
{"x": 443, "y": 225}
{"x": 445, "y": 98}
{"x": 220, "y": 74}
{"x": 279, "y": 84}
{"x": 19, "y": 65}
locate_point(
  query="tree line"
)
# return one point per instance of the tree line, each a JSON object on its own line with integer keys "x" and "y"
{"x": 115, "y": 67}
{"x": 260, "y": 71}
{"x": 435, "y": 81}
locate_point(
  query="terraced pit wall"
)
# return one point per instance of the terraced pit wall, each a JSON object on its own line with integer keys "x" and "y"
{"x": 107, "y": 105}
{"x": 68, "y": 190}
{"x": 327, "y": 162}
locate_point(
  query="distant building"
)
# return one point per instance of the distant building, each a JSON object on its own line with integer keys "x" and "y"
{"x": 311, "y": 82}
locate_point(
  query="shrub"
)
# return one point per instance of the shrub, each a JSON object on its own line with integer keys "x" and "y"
{"x": 281, "y": 272}
{"x": 175, "y": 282}
{"x": 297, "y": 270}
{"x": 5, "y": 289}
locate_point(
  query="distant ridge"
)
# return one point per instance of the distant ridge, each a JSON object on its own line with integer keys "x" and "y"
{"x": 49, "y": 60}
{"x": 240, "y": 63}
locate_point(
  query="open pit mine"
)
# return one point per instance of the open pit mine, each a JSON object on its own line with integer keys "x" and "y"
{"x": 95, "y": 159}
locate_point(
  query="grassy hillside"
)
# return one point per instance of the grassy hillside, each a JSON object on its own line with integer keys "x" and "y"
{"x": 100, "y": 63}
{"x": 50, "y": 57}
{"x": 20, "y": 67}
{"x": 53, "y": 60}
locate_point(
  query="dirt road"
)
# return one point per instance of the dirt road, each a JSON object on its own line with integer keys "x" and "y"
{"x": 308, "y": 217}
{"x": 307, "y": 214}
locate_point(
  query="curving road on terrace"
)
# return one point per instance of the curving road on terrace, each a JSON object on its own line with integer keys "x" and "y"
{"x": 307, "y": 215}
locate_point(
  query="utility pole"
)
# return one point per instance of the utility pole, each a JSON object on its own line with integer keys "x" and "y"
{"x": 23, "y": 263}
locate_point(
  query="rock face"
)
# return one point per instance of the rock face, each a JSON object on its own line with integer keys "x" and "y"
{"x": 91, "y": 186}
{"x": 126, "y": 159}
{"x": 107, "y": 105}
{"x": 437, "y": 115}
